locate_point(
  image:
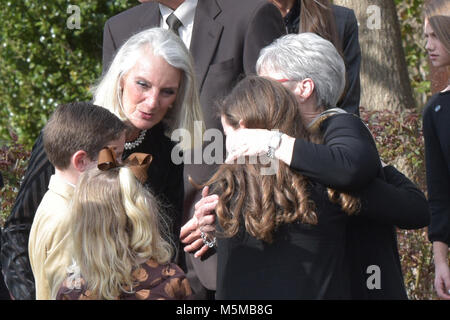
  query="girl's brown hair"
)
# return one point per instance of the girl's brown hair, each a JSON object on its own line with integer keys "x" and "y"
{"x": 317, "y": 16}
{"x": 262, "y": 202}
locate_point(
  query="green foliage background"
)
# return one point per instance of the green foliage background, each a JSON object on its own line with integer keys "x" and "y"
{"x": 44, "y": 63}
{"x": 409, "y": 13}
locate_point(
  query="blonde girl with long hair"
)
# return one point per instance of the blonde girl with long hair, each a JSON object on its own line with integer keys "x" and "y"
{"x": 119, "y": 242}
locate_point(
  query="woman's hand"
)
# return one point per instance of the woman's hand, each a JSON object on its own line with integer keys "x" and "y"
{"x": 255, "y": 142}
{"x": 247, "y": 142}
{"x": 442, "y": 281}
{"x": 442, "y": 270}
{"x": 203, "y": 220}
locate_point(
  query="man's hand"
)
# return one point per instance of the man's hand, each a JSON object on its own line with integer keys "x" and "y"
{"x": 203, "y": 220}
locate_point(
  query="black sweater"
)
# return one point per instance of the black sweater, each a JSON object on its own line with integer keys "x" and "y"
{"x": 330, "y": 260}
{"x": 303, "y": 261}
{"x": 436, "y": 131}
{"x": 308, "y": 262}
{"x": 348, "y": 160}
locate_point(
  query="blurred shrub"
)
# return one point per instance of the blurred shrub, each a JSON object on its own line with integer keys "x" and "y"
{"x": 13, "y": 163}
{"x": 400, "y": 143}
{"x": 411, "y": 25}
{"x": 43, "y": 62}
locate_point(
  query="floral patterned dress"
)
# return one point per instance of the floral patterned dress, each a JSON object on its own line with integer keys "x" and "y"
{"x": 154, "y": 282}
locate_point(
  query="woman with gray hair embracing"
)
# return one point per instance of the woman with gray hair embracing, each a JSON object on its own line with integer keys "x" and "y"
{"x": 346, "y": 160}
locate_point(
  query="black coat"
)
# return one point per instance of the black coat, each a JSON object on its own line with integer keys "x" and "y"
{"x": 436, "y": 131}
{"x": 303, "y": 261}
{"x": 348, "y": 161}
{"x": 347, "y": 27}
{"x": 306, "y": 256}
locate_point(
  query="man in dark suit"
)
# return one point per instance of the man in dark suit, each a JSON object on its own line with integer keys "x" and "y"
{"x": 224, "y": 38}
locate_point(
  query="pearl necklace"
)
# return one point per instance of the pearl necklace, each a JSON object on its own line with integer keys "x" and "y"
{"x": 135, "y": 143}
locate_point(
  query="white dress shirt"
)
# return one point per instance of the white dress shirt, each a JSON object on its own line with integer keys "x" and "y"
{"x": 185, "y": 13}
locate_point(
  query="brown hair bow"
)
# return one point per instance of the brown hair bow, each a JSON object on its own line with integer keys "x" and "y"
{"x": 137, "y": 162}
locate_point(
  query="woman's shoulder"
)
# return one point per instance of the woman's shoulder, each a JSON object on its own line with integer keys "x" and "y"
{"x": 342, "y": 120}
{"x": 437, "y": 102}
{"x": 343, "y": 15}
{"x": 340, "y": 10}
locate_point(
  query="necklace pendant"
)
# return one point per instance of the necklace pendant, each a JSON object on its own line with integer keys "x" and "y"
{"x": 137, "y": 142}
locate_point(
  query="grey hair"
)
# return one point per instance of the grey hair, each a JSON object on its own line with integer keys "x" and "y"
{"x": 164, "y": 43}
{"x": 307, "y": 55}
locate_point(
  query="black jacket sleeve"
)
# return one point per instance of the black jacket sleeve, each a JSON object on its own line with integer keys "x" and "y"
{"x": 348, "y": 158}
{"x": 109, "y": 47}
{"x": 14, "y": 251}
{"x": 437, "y": 168}
{"x": 395, "y": 201}
{"x": 352, "y": 58}
{"x": 264, "y": 27}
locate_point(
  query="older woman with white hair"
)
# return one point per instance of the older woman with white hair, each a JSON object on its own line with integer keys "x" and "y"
{"x": 152, "y": 80}
{"x": 151, "y": 86}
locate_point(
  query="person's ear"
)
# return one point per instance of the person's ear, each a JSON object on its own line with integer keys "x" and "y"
{"x": 80, "y": 161}
{"x": 304, "y": 89}
{"x": 242, "y": 124}
{"x": 121, "y": 82}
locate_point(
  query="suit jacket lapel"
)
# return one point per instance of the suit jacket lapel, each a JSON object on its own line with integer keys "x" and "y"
{"x": 205, "y": 37}
{"x": 151, "y": 18}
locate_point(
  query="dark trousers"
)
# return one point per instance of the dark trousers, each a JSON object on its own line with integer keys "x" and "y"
{"x": 4, "y": 293}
